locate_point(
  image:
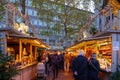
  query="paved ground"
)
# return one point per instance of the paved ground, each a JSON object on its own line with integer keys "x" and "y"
{"x": 62, "y": 76}
{"x": 68, "y": 76}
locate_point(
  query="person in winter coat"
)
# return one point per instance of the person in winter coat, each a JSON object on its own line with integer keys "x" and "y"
{"x": 93, "y": 68}
{"x": 55, "y": 65}
{"x": 79, "y": 66}
{"x": 67, "y": 62}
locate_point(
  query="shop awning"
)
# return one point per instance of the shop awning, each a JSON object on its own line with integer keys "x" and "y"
{"x": 91, "y": 40}
{"x": 87, "y": 41}
{"x": 27, "y": 39}
{"x": 16, "y": 35}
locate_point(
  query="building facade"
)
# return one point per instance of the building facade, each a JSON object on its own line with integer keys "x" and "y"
{"x": 38, "y": 24}
{"x": 42, "y": 25}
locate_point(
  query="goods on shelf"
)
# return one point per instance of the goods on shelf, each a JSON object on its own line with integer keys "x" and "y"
{"x": 105, "y": 57}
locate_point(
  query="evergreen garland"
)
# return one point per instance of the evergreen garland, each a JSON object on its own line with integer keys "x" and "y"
{"x": 7, "y": 68}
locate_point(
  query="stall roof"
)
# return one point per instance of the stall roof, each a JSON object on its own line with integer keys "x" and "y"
{"x": 107, "y": 33}
{"x": 35, "y": 41}
{"x": 102, "y": 35}
{"x": 12, "y": 33}
{"x": 83, "y": 41}
{"x": 10, "y": 30}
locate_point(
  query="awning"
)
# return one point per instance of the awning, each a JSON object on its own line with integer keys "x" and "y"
{"x": 27, "y": 39}
{"x": 87, "y": 41}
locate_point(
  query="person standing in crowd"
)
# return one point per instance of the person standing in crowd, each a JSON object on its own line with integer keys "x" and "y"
{"x": 47, "y": 64}
{"x": 79, "y": 66}
{"x": 66, "y": 62}
{"x": 55, "y": 63}
{"x": 93, "y": 68}
{"x": 61, "y": 64}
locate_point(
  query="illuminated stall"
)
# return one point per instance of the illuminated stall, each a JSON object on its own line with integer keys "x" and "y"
{"x": 106, "y": 45}
{"x": 24, "y": 49}
{"x": 18, "y": 38}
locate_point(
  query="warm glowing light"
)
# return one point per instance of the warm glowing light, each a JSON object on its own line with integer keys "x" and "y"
{"x": 23, "y": 28}
{"x": 37, "y": 42}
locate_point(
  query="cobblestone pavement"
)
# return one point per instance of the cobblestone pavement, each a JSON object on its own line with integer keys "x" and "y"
{"x": 62, "y": 76}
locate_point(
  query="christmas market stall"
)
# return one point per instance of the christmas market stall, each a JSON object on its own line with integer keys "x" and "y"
{"x": 18, "y": 38}
{"x": 105, "y": 44}
{"x": 24, "y": 50}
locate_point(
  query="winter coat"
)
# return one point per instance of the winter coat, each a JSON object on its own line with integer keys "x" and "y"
{"x": 79, "y": 64}
{"x": 93, "y": 69}
{"x": 55, "y": 59}
{"x": 67, "y": 58}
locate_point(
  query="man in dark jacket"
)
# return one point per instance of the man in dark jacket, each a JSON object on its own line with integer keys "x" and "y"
{"x": 55, "y": 61}
{"x": 79, "y": 67}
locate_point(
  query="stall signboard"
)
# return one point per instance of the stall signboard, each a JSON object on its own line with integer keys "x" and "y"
{"x": 115, "y": 46}
{"x": 2, "y": 42}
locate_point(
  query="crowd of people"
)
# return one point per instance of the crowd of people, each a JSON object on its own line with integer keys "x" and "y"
{"x": 82, "y": 67}
{"x": 56, "y": 62}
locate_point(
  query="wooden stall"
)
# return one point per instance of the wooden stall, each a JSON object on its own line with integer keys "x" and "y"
{"x": 24, "y": 50}
{"x": 105, "y": 44}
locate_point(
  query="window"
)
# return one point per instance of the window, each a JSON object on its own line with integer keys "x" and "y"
{"x": 37, "y": 22}
{"x": 29, "y": 12}
{"x": 52, "y": 42}
{"x": 44, "y": 40}
{"x": 33, "y": 12}
{"x": 32, "y": 21}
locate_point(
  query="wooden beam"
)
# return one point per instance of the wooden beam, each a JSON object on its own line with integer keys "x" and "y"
{"x": 20, "y": 50}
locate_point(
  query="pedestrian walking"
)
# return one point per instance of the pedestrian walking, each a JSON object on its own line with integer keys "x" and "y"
{"x": 66, "y": 62}
{"x": 47, "y": 64}
{"x": 61, "y": 63}
{"x": 55, "y": 65}
{"x": 79, "y": 67}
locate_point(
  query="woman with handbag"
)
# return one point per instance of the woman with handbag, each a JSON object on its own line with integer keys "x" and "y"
{"x": 93, "y": 68}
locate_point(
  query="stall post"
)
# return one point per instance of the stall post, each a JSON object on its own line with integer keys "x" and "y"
{"x": 119, "y": 19}
{"x": 30, "y": 52}
{"x": 35, "y": 53}
{"x": 20, "y": 48}
{"x": 119, "y": 39}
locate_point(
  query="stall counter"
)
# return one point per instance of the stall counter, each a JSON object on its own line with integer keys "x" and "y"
{"x": 27, "y": 72}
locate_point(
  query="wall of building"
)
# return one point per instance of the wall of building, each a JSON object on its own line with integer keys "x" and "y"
{"x": 40, "y": 25}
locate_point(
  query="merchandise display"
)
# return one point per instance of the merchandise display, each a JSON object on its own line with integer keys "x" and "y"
{"x": 105, "y": 55}
{"x": 103, "y": 49}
